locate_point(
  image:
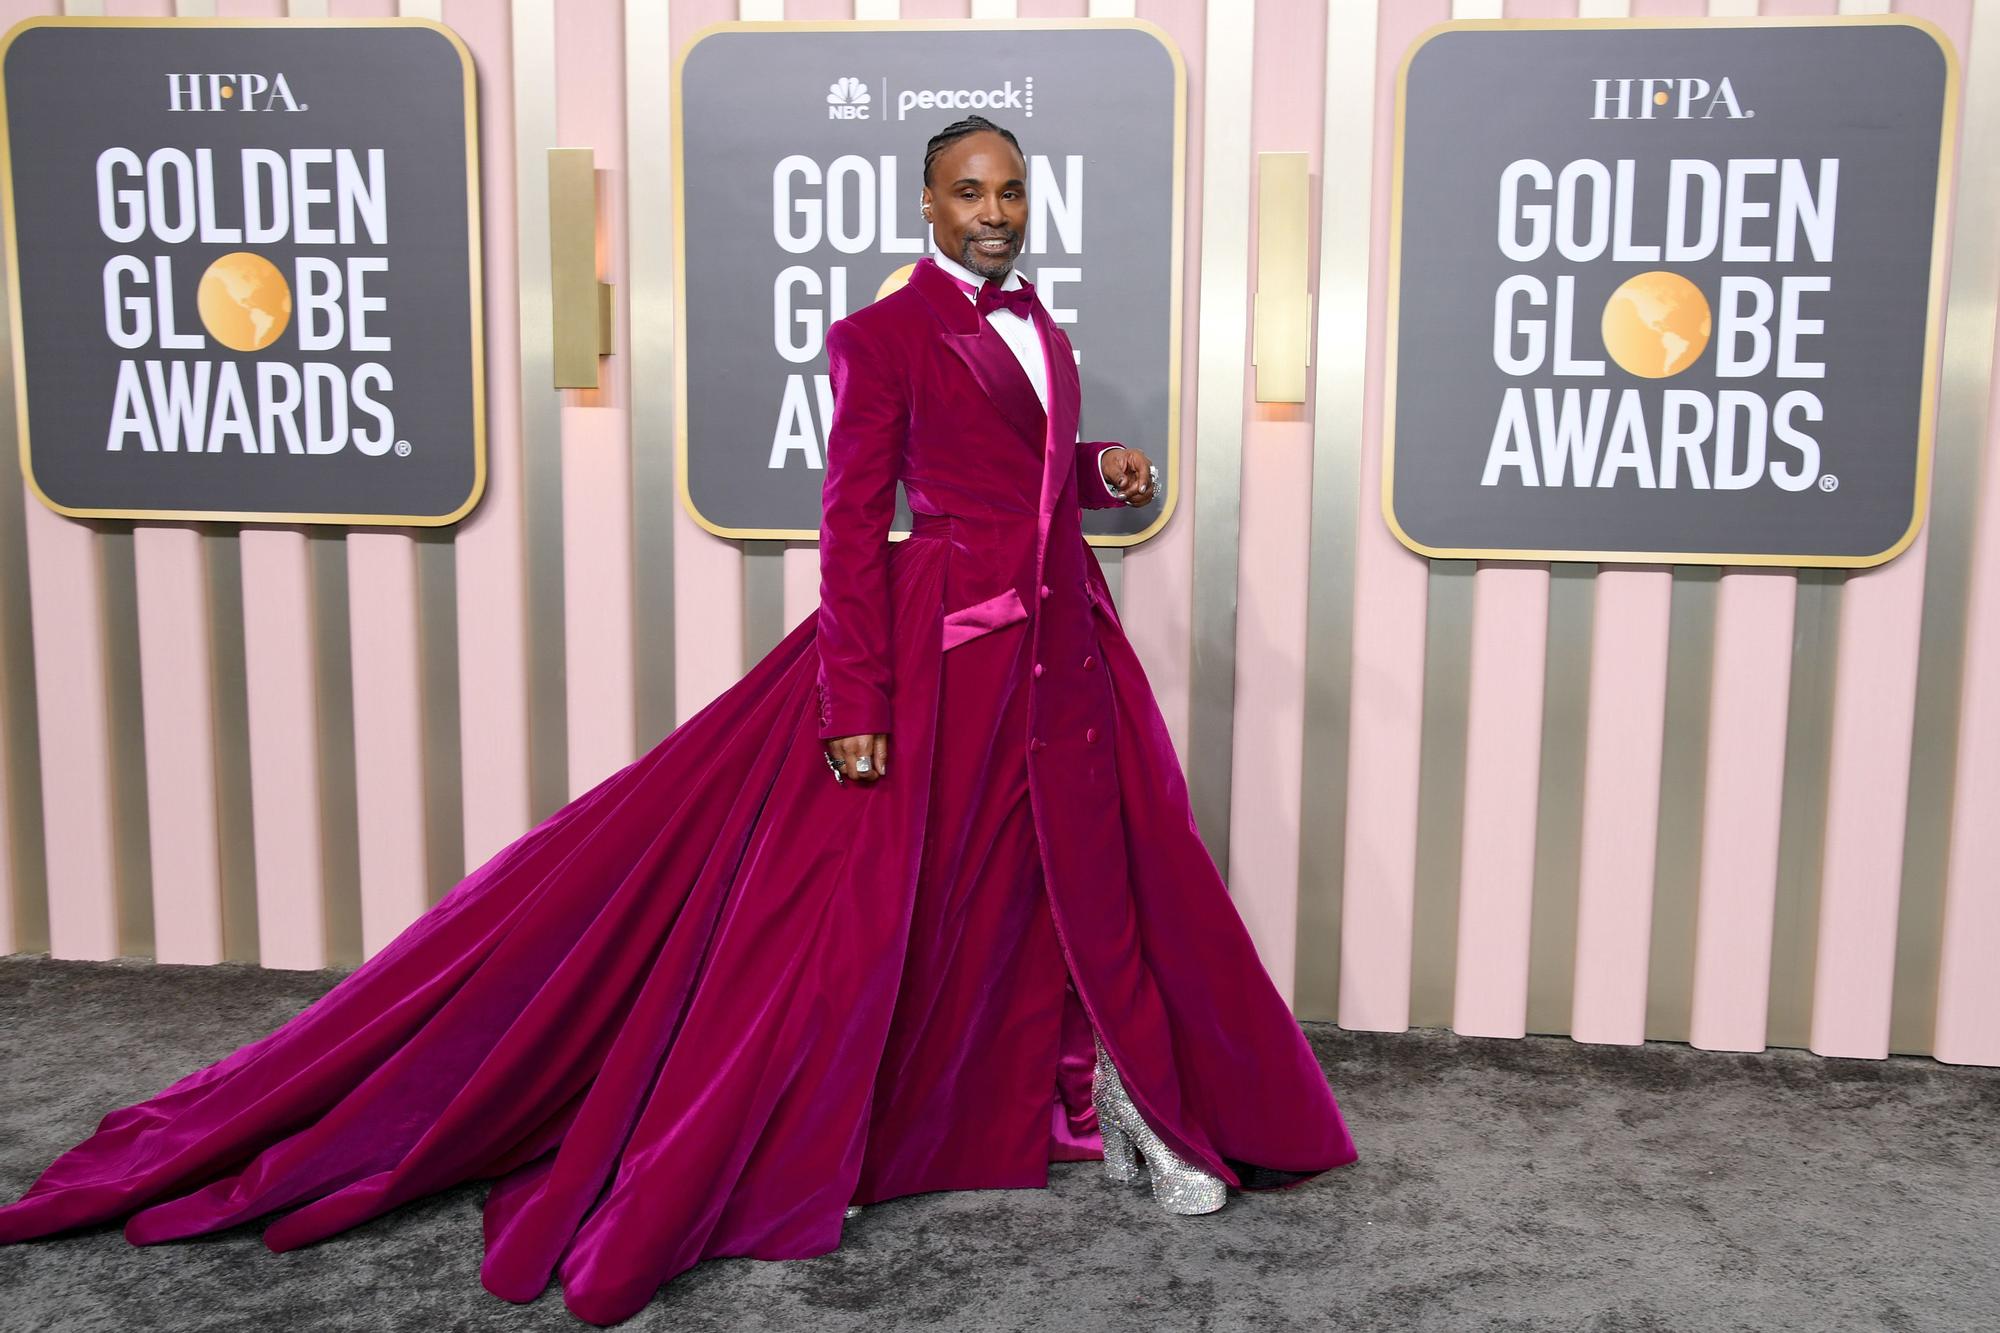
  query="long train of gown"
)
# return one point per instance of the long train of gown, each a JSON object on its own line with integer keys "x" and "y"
{"x": 657, "y": 1020}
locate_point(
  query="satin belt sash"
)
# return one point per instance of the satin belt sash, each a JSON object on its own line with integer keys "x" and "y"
{"x": 1002, "y": 609}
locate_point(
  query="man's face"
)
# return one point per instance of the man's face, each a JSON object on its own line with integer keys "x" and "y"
{"x": 979, "y": 203}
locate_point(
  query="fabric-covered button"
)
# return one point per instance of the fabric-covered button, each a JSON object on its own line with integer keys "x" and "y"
{"x": 1089, "y": 663}
{"x": 1038, "y": 668}
{"x": 1090, "y": 734}
{"x": 1036, "y": 743}
{"x": 1045, "y": 590}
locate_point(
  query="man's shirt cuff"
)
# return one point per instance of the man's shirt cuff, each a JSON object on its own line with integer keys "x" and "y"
{"x": 1109, "y": 489}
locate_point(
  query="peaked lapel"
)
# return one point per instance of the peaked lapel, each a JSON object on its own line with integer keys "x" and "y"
{"x": 1059, "y": 439}
{"x": 985, "y": 353}
{"x": 1065, "y": 392}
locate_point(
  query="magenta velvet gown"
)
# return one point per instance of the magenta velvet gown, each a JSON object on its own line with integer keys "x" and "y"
{"x": 719, "y": 996}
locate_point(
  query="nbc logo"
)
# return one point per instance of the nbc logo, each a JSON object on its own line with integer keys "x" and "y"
{"x": 847, "y": 99}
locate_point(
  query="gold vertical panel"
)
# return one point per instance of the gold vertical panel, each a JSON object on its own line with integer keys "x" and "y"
{"x": 1683, "y": 785}
{"x": 236, "y": 855}
{"x": 1441, "y": 792}
{"x": 20, "y": 730}
{"x": 649, "y": 283}
{"x": 125, "y": 728}
{"x": 763, "y": 597}
{"x": 1282, "y": 330}
{"x": 124, "y": 716}
{"x": 1965, "y": 394}
{"x": 1218, "y": 461}
{"x": 534, "y": 51}
{"x": 1559, "y": 803}
{"x": 229, "y": 703}
{"x": 437, "y": 668}
{"x": 1111, "y": 559}
{"x": 1802, "y": 816}
{"x": 20, "y": 725}
{"x": 763, "y": 560}
{"x": 576, "y": 307}
{"x": 1340, "y": 381}
{"x": 333, "y": 694}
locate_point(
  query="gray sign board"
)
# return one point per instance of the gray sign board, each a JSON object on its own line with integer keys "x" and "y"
{"x": 1668, "y": 291}
{"x": 799, "y": 153}
{"x": 244, "y": 266}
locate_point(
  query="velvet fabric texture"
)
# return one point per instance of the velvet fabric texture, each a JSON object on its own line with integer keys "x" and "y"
{"x": 712, "y": 1000}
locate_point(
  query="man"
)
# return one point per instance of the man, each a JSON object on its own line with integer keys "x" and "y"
{"x": 719, "y": 996}
{"x": 979, "y": 221}
{"x": 1065, "y": 914}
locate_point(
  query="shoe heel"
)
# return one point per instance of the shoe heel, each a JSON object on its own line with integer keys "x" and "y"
{"x": 1120, "y": 1162}
{"x": 1178, "y": 1187}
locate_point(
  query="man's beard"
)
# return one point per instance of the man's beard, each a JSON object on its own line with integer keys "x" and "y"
{"x": 985, "y": 265}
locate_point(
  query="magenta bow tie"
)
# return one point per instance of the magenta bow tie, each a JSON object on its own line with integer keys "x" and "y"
{"x": 991, "y": 296}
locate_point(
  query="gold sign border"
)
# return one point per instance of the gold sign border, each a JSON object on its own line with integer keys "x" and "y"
{"x": 1158, "y": 33}
{"x": 473, "y": 248}
{"x": 1940, "y": 227}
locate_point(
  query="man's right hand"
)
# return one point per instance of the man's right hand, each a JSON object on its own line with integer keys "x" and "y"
{"x": 846, "y": 750}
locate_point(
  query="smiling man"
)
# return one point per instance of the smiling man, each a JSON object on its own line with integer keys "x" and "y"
{"x": 722, "y": 995}
{"x": 1073, "y": 955}
{"x": 979, "y": 222}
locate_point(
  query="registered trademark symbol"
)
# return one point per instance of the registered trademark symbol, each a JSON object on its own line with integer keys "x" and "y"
{"x": 1829, "y": 482}
{"x": 403, "y": 451}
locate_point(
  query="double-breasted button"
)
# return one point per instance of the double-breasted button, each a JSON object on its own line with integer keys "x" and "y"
{"x": 1038, "y": 668}
{"x": 1089, "y": 663}
{"x": 1045, "y": 591}
{"x": 1090, "y": 734}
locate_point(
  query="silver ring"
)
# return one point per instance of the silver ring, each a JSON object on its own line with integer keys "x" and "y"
{"x": 865, "y": 764}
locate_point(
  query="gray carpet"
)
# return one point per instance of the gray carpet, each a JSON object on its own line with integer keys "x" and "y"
{"x": 1502, "y": 1185}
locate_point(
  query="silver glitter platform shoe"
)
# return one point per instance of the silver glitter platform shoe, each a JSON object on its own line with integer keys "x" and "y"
{"x": 1178, "y": 1186}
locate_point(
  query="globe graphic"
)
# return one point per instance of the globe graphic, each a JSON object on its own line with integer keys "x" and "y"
{"x": 1656, "y": 324}
{"x": 244, "y": 301}
{"x": 893, "y": 281}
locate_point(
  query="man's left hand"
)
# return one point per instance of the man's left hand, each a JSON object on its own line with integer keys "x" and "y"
{"x": 1129, "y": 472}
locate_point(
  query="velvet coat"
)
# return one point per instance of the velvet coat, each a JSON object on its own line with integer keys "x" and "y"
{"x": 687, "y": 1014}
{"x": 928, "y": 393}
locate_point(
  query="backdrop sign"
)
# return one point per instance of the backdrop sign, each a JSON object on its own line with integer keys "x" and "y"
{"x": 1668, "y": 291}
{"x": 243, "y": 260}
{"x": 798, "y": 176}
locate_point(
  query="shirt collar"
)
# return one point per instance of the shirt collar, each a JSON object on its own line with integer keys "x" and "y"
{"x": 964, "y": 274}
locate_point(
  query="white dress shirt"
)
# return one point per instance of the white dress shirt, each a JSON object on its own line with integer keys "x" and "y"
{"x": 1020, "y": 334}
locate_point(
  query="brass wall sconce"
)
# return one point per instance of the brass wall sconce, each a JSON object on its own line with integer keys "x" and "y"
{"x": 1281, "y": 336}
{"x": 580, "y": 303}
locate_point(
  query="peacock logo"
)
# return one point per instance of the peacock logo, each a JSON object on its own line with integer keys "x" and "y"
{"x": 847, "y": 99}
